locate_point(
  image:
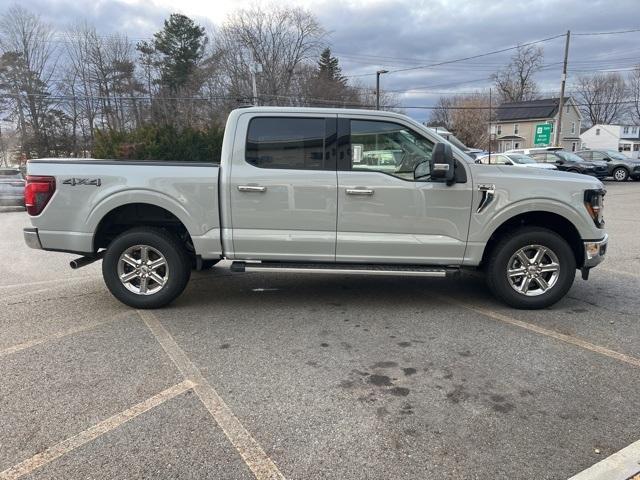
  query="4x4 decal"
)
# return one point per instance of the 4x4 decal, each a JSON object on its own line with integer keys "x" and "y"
{"x": 82, "y": 181}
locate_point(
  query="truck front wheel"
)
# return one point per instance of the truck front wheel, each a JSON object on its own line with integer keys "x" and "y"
{"x": 146, "y": 267}
{"x": 531, "y": 268}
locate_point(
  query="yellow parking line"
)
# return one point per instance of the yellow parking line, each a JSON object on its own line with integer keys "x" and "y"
{"x": 29, "y": 465}
{"x": 47, "y": 282}
{"x": 54, "y": 336}
{"x": 251, "y": 452}
{"x": 545, "y": 331}
{"x": 610, "y": 270}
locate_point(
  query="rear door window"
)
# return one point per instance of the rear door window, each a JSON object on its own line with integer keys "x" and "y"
{"x": 288, "y": 143}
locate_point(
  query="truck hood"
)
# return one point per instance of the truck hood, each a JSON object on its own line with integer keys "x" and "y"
{"x": 529, "y": 178}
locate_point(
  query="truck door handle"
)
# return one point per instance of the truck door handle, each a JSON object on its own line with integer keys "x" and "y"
{"x": 252, "y": 188}
{"x": 359, "y": 191}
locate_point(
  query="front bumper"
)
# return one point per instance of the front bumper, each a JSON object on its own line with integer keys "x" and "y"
{"x": 31, "y": 238}
{"x": 594, "y": 251}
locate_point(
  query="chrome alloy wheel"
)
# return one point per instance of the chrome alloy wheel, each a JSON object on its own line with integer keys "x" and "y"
{"x": 143, "y": 270}
{"x": 620, "y": 174}
{"x": 533, "y": 270}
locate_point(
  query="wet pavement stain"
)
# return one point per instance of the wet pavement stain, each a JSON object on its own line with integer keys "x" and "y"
{"x": 384, "y": 364}
{"x": 408, "y": 371}
{"x": 400, "y": 391}
{"x": 380, "y": 380}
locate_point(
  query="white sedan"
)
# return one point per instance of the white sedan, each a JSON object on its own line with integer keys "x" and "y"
{"x": 514, "y": 159}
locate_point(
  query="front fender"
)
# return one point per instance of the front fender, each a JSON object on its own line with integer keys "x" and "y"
{"x": 489, "y": 220}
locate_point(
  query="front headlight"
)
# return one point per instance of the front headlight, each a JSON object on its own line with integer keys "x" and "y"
{"x": 594, "y": 203}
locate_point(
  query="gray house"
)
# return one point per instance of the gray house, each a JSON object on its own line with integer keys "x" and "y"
{"x": 514, "y": 123}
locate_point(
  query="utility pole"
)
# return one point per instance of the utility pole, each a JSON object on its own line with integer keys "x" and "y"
{"x": 378, "y": 73}
{"x": 490, "y": 126}
{"x": 255, "y": 69}
{"x": 562, "y": 85}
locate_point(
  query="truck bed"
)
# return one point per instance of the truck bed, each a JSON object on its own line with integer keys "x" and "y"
{"x": 88, "y": 189}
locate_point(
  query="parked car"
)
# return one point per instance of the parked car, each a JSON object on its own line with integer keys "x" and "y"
{"x": 529, "y": 151}
{"x": 289, "y": 196}
{"x": 570, "y": 162}
{"x": 619, "y": 165}
{"x": 514, "y": 159}
{"x": 11, "y": 187}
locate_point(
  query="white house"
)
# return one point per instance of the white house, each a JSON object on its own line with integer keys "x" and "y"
{"x": 623, "y": 138}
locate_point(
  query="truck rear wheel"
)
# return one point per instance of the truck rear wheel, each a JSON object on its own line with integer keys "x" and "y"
{"x": 146, "y": 267}
{"x": 531, "y": 268}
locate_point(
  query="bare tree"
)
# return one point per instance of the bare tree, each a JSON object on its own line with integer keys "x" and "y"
{"x": 29, "y": 60}
{"x": 515, "y": 82}
{"x": 601, "y": 97}
{"x": 470, "y": 119}
{"x": 279, "y": 39}
{"x": 634, "y": 94}
{"x": 441, "y": 115}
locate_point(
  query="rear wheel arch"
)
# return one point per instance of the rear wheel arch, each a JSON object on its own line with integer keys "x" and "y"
{"x": 132, "y": 215}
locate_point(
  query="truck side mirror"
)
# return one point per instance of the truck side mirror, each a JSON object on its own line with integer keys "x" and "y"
{"x": 442, "y": 163}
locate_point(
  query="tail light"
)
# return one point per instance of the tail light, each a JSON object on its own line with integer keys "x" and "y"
{"x": 594, "y": 203}
{"x": 38, "y": 192}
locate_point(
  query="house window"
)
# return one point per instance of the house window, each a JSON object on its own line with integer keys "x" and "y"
{"x": 566, "y": 110}
{"x": 625, "y": 147}
{"x": 636, "y": 147}
{"x": 573, "y": 146}
{"x": 625, "y": 130}
{"x": 516, "y": 145}
{"x": 499, "y": 130}
{"x": 573, "y": 127}
{"x": 516, "y": 128}
{"x": 634, "y": 129}
{"x": 597, "y": 131}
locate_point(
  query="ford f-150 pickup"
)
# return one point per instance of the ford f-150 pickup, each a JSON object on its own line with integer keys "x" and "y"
{"x": 320, "y": 191}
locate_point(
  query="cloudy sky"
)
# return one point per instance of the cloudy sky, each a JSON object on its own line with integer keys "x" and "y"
{"x": 368, "y": 35}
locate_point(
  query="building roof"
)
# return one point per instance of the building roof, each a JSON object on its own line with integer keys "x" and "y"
{"x": 511, "y": 137}
{"x": 541, "y": 108}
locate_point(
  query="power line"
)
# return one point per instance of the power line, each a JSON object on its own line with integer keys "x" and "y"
{"x": 446, "y": 62}
{"x": 608, "y": 33}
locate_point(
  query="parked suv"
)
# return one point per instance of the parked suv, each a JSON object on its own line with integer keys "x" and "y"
{"x": 11, "y": 187}
{"x": 570, "y": 162}
{"x": 619, "y": 165}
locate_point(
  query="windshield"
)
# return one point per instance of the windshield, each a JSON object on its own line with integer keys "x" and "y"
{"x": 614, "y": 154}
{"x": 569, "y": 157}
{"x": 521, "y": 159}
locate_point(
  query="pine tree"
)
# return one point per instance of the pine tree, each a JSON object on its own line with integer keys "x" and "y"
{"x": 329, "y": 68}
{"x": 181, "y": 44}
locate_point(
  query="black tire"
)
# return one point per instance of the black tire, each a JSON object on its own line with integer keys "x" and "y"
{"x": 620, "y": 174}
{"x": 503, "y": 253}
{"x": 178, "y": 266}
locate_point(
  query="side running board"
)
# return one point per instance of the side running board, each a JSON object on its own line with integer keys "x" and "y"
{"x": 345, "y": 269}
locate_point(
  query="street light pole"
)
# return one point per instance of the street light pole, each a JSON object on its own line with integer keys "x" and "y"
{"x": 378, "y": 73}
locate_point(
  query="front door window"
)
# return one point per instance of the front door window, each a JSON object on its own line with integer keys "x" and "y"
{"x": 387, "y": 148}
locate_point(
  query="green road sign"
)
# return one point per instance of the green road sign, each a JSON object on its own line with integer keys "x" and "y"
{"x": 543, "y": 134}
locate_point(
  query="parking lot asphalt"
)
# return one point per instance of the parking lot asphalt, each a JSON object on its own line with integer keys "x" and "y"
{"x": 284, "y": 375}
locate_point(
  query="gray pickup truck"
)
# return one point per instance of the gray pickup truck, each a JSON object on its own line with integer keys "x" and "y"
{"x": 314, "y": 190}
